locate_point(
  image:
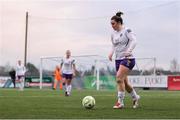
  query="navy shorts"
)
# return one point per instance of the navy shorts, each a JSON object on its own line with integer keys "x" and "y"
{"x": 20, "y": 77}
{"x": 129, "y": 63}
{"x": 67, "y": 76}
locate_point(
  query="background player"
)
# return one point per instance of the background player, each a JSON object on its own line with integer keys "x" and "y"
{"x": 68, "y": 71}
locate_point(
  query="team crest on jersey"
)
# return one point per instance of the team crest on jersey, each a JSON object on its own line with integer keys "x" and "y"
{"x": 129, "y": 30}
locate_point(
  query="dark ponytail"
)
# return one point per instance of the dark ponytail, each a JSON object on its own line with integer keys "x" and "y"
{"x": 117, "y": 17}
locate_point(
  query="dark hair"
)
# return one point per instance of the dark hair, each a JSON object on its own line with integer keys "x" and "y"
{"x": 117, "y": 17}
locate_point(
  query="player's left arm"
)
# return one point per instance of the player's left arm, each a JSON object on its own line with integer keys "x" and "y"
{"x": 132, "y": 42}
{"x": 24, "y": 70}
{"x": 61, "y": 64}
{"x": 74, "y": 68}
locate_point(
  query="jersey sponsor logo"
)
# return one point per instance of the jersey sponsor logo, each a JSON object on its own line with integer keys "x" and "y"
{"x": 120, "y": 42}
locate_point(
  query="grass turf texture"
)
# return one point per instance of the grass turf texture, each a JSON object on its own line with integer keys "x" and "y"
{"x": 49, "y": 104}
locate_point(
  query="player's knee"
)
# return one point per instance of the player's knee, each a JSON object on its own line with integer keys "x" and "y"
{"x": 119, "y": 81}
{"x": 119, "y": 77}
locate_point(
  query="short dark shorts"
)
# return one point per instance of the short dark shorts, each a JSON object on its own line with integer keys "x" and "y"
{"x": 129, "y": 63}
{"x": 67, "y": 76}
{"x": 20, "y": 76}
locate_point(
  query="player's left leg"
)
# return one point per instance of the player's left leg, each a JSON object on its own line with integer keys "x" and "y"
{"x": 69, "y": 86}
{"x": 14, "y": 82}
{"x": 132, "y": 92}
{"x": 21, "y": 83}
{"x": 63, "y": 83}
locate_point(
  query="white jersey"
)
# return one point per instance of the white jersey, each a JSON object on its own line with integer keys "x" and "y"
{"x": 20, "y": 70}
{"x": 123, "y": 41}
{"x": 67, "y": 65}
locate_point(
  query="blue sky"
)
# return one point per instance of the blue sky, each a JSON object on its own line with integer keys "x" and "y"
{"x": 83, "y": 26}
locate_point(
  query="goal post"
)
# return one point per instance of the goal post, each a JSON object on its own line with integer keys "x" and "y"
{"x": 143, "y": 63}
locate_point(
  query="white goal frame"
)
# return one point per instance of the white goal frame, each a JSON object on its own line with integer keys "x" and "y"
{"x": 96, "y": 72}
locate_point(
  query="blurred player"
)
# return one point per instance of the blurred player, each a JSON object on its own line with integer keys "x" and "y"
{"x": 57, "y": 78}
{"x": 123, "y": 43}
{"x": 68, "y": 71}
{"x": 20, "y": 74}
{"x": 12, "y": 74}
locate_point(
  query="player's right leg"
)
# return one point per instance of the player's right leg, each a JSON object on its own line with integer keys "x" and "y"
{"x": 64, "y": 80}
{"x": 121, "y": 74}
{"x": 63, "y": 83}
{"x": 66, "y": 87}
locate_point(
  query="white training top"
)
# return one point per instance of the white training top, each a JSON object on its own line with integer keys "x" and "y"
{"x": 123, "y": 41}
{"x": 20, "y": 70}
{"x": 67, "y": 65}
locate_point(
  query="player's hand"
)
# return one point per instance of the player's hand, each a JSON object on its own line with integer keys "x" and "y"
{"x": 110, "y": 57}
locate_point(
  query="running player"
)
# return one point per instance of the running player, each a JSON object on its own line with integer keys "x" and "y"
{"x": 68, "y": 71}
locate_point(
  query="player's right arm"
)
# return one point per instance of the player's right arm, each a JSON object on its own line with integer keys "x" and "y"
{"x": 61, "y": 64}
{"x": 112, "y": 50}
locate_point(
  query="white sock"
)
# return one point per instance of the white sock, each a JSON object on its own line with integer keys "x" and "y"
{"x": 69, "y": 89}
{"x": 121, "y": 96}
{"x": 21, "y": 84}
{"x": 133, "y": 94}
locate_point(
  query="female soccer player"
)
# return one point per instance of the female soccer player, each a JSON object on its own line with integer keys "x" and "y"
{"x": 20, "y": 74}
{"x": 123, "y": 43}
{"x": 68, "y": 71}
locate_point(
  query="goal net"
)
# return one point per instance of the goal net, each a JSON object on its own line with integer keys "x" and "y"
{"x": 86, "y": 68}
{"x": 93, "y": 71}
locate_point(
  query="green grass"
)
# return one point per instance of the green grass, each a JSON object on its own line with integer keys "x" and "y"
{"x": 48, "y": 104}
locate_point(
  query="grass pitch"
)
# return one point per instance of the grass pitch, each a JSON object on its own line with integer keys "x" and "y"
{"x": 49, "y": 104}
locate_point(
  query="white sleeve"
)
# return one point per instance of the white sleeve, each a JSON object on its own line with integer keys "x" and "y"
{"x": 73, "y": 62}
{"x": 132, "y": 40}
{"x": 62, "y": 61}
{"x": 112, "y": 49}
{"x": 16, "y": 71}
{"x": 24, "y": 68}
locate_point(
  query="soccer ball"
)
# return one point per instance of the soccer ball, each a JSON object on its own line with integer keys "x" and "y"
{"x": 88, "y": 102}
